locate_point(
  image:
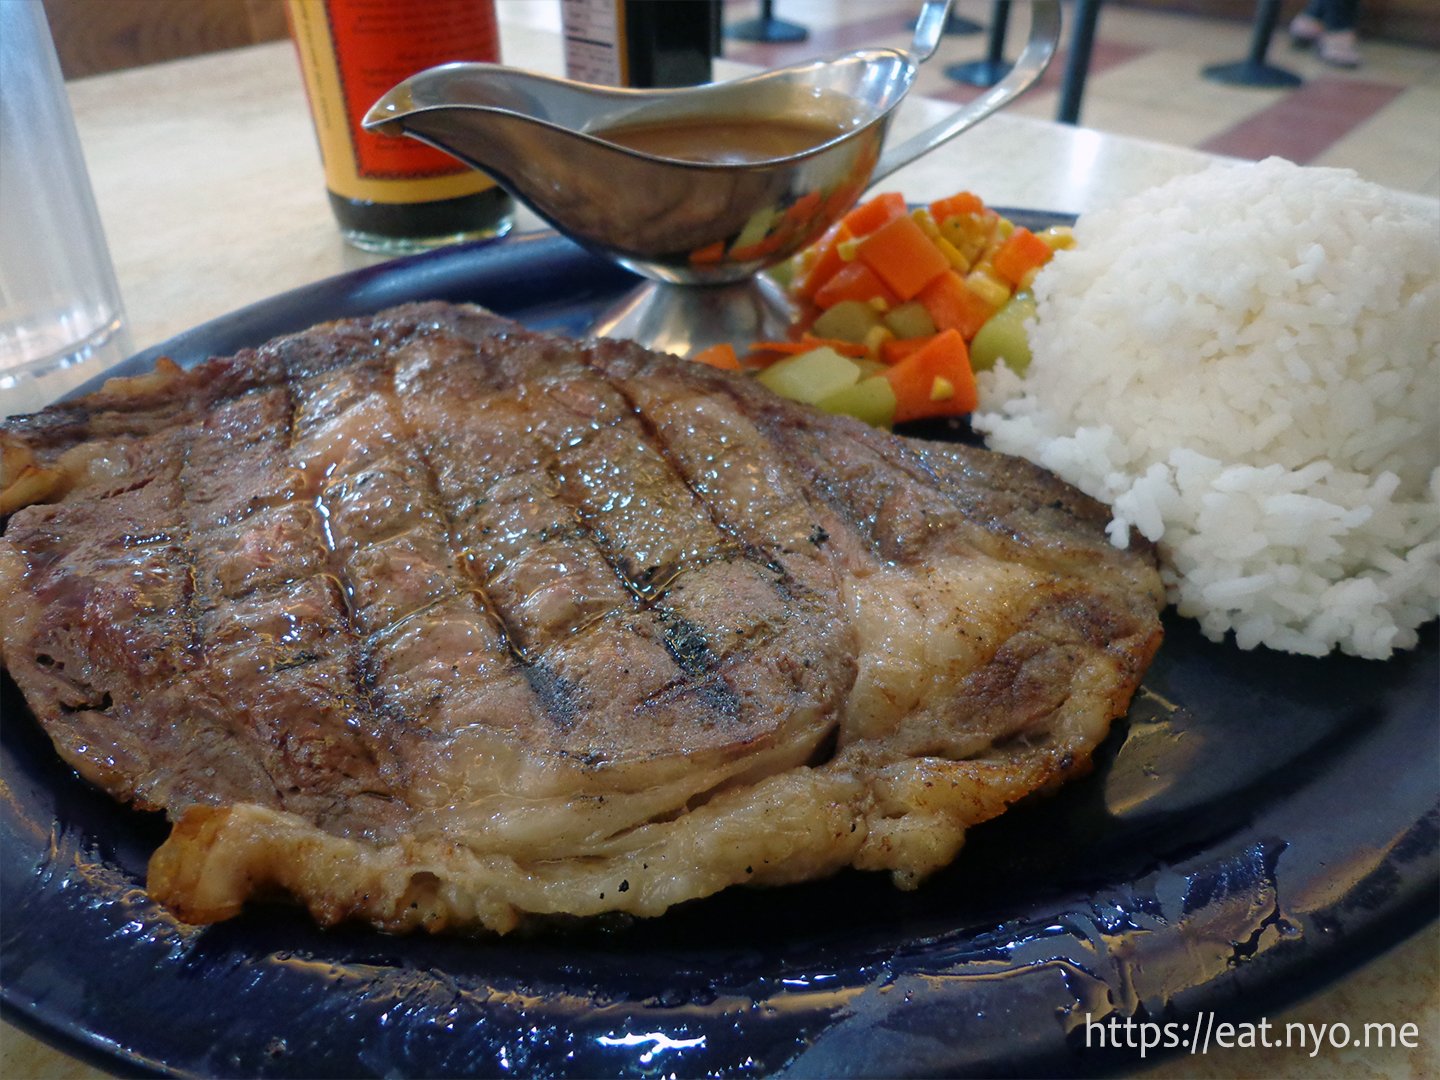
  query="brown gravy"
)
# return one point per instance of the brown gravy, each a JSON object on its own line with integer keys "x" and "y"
{"x": 724, "y": 140}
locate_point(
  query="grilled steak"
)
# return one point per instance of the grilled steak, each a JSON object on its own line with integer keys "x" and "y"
{"x": 429, "y": 621}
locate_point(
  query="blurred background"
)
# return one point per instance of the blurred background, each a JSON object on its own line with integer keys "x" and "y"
{"x": 1146, "y": 70}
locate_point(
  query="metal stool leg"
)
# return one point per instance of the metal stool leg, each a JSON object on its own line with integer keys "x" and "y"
{"x": 994, "y": 67}
{"x": 767, "y": 28}
{"x": 1253, "y": 70}
{"x": 1077, "y": 60}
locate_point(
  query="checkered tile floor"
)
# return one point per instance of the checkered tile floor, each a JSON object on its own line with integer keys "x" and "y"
{"x": 1147, "y": 79}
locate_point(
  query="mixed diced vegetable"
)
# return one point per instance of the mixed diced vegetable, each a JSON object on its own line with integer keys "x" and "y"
{"x": 902, "y": 306}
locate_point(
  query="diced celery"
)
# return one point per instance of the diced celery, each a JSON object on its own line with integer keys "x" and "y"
{"x": 871, "y": 400}
{"x": 756, "y": 227}
{"x": 783, "y": 273}
{"x": 811, "y": 376}
{"x": 849, "y": 320}
{"x": 910, "y": 320}
{"x": 1003, "y": 335}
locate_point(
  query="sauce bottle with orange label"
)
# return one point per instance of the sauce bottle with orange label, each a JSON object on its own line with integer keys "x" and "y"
{"x": 391, "y": 193}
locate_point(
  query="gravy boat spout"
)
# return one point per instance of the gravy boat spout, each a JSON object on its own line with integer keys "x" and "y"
{"x": 647, "y": 177}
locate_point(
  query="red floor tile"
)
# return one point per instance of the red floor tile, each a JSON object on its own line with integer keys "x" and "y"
{"x": 1305, "y": 122}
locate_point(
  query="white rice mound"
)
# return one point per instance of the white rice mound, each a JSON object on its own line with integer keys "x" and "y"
{"x": 1244, "y": 364}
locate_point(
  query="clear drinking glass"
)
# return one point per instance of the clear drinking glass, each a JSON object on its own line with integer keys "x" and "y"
{"x": 59, "y": 303}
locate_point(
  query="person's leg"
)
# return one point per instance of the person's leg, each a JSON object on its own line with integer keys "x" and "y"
{"x": 1339, "y": 14}
{"x": 1338, "y": 45}
{"x": 1306, "y": 28}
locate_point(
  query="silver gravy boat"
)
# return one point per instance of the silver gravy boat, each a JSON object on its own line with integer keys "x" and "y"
{"x": 699, "y": 231}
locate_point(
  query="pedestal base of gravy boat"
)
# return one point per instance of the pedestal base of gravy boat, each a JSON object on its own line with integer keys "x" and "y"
{"x": 696, "y": 188}
{"x": 686, "y": 319}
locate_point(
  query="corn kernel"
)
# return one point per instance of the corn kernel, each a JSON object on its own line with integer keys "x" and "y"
{"x": 875, "y": 337}
{"x": 970, "y": 233}
{"x": 989, "y": 286}
{"x": 846, "y": 248}
{"x": 923, "y": 218}
{"x": 1059, "y": 237}
{"x": 942, "y": 389}
{"x": 953, "y": 255}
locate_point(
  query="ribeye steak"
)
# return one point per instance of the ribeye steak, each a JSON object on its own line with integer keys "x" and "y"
{"x": 430, "y": 621}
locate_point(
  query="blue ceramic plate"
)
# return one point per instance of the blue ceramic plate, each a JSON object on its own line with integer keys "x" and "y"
{"x": 1258, "y": 825}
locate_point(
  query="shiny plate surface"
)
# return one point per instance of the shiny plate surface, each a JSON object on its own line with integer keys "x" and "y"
{"x": 1257, "y": 826}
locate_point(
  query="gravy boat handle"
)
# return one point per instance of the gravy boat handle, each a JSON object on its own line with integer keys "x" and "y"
{"x": 1029, "y": 66}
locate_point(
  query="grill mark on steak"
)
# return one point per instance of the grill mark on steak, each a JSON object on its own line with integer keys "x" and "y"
{"x": 754, "y": 643}
{"x": 367, "y": 514}
{"x": 690, "y": 550}
{"x": 628, "y": 370}
{"x": 215, "y": 506}
{"x": 565, "y": 460}
{"x": 469, "y": 584}
{"x": 553, "y": 694}
{"x": 688, "y": 643}
{"x": 855, "y": 485}
{"x": 559, "y": 703}
{"x": 662, "y": 446}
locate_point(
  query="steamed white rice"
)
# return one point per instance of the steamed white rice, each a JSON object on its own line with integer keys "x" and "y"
{"x": 1245, "y": 365}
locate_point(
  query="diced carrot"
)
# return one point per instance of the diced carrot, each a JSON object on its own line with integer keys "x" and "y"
{"x": 806, "y": 342}
{"x": 897, "y": 349}
{"x": 780, "y": 348}
{"x": 804, "y": 208}
{"x": 871, "y": 214}
{"x": 710, "y": 253}
{"x": 771, "y": 242}
{"x": 935, "y": 380}
{"x": 842, "y": 199}
{"x": 953, "y": 306}
{"x": 962, "y": 203}
{"x": 827, "y": 260}
{"x": 902, "y": 256}
{"x": 1021, "y": 253}
{"x": 720, "y": 356}
{"x": 854, "y": 281}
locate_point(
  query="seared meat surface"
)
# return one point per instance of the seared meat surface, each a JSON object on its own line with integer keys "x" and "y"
{"x": 429, "y": 621}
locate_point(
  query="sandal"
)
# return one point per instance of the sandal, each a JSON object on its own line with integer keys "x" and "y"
{"x": 1305, "y": 30}
{"x": 1339, "y": 49}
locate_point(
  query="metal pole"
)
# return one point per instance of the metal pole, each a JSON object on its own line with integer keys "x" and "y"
{"x": 1077, "y": 61}
{"x": 1253, "y": 70}
{"x": 994, "y": 67}
{"x": 767, "y": 28}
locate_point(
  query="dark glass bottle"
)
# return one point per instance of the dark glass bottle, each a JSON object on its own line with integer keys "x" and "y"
{"x": 640, "y": 43}
{"x": 398, "y": 228}
{"x": 391, "y": 193}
